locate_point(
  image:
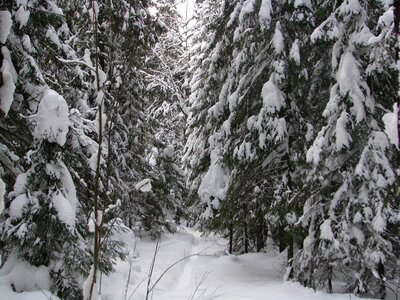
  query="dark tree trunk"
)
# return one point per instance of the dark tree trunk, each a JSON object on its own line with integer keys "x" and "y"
{"x": 290, "y": 253}
{"x": 330, "y": 279}
{"x": 245, "y": 229}
{"x": 382, "y": 287}
{"x": 260, "y": 228}
{"x": 282, "y": 241}
{"x": 230, "y": 238}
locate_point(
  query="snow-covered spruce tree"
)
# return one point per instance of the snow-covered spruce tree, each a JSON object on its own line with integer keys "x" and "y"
{"x": 246, "y": 145}
{"x": 127, "y": 33}
{"x": 43, "y": 226}
{"x": 352, "y": 214}
{"x": 164, "y": 74}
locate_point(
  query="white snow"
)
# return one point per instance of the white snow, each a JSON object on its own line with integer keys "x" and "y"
{"x": 314, "y": 153}
{"x": 169, "y": 151}
{"x": 144, "y": 185}
{"x": 52, "y": 122}
{"x": 272, "y": 97}
{"x": 20, "y": 184}
{"x": 94, "y": 11}
{"x": 87, "y": 285}
{"x": 22, "y": 16}
{"x": 5, "y": 25}
{"x": 208, "y": 274}
{"x": 23, "y": 276}
{"x": 2, "y": 194}
{"x": 307, "y": 3}
{"x": 277, "y": 39}
{"x": 214, "y": 182}
{"x": 17, "y": 206}
{"x": 205, "y": 272}
{"x": 247, "y": 8}
{"x": 9, "y": 79}
{"x": 349, "y": 80}
{"x": 51, "y": 34}
{"x": 391, "y": 121}
{"x": 326, "y": 231}
{"x": 26, "y": 42}
{"x": 379, "y": 221}
{"x": 343, "y": 138}
{"x": 295, "y": 52}
{"x": 65, "y": 211}
{"x": 265, "y": 12}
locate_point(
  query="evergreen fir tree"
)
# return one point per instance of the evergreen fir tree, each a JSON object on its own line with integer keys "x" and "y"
{"x": 351, "y": 217}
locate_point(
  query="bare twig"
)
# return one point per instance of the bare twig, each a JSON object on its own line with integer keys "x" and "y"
{"x": 149, "y": 289}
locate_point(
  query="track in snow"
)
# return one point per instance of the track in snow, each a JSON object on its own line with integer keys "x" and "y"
{"x": 253, "y": 276}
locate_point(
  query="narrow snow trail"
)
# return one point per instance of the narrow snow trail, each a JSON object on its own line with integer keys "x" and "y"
{"x": 209, "y": 275}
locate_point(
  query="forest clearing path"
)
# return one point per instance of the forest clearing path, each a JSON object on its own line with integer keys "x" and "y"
{"x": 207, "y": 273}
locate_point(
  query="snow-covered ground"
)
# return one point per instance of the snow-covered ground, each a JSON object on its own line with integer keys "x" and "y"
{"x": 209, "y": 275}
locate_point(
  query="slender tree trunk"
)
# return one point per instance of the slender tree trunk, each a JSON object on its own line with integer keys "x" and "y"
{"x": 97, "y": 234}
{"x": 245, "y": 229}
{"x": 330, "y": 279}
{"x": 396, "y": 5}
{"x": 282, "y": 241}
{"x": 230, "y": 238}
{"x": 260, "y": 227}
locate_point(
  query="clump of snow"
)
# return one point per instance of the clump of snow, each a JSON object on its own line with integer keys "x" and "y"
{"x": 391, "y": 121}
{"x": 247, "y": 8}
{"x": 298, "y": 3}
{"x": 100, "y": 97}
{"x": 358, "y": 235}
{"x": 352, "y": 6}
{"x": 214, "y": 182}
{"x": 349, "y": 80}
{"x": 5, "y": 25}
{"x": 169, "y": 151}
{"x": 278, "y": 39}
{"x": 27, "y": 44}
{"x": 387, "y": 19}
{"x": 22, "y": 16}
{"x": 52, "y": 122}
{"x": 326, "y": 231}
{"x": 94, "y": 11}
{"x": 9, "y": 78}
{"x": 17, "y": 206}
{"x": 20, "y": 184}
{"x": 51, "y": 34}
{"x": 379, "y": 222}
{"x": 102, "y": 80}
{"x": 295, "y": 52}
{"x": 65, "y": 211}
{"x": 265, "y": 12}
{"x": 144, "y": 185}
{"x": 2, "y": 194}
{"x": 25, "y": 277}
{"x": 272, "y": 97}
{"x": 343, "y": 138}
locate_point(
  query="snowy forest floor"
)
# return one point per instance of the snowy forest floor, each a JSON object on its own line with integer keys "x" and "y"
{"x": 209, "y": 275}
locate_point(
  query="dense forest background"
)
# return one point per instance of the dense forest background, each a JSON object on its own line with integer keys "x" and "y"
{"x": 263, "y": 121}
